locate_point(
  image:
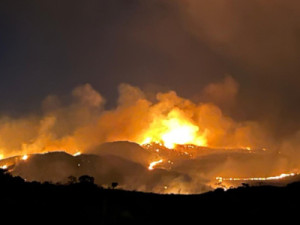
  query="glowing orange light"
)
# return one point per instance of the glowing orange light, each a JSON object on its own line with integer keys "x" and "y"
{"x": 24, "y": 157}
{"x": 174, "y": 130}
{"x": 77, "y": 154}
{"x": 281, "y": 176}
{"x": 153, "y": 164}
{"x": 4, "y": 167}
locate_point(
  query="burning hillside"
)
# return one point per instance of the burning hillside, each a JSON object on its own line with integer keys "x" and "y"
{"x": 164, "y": 144}
{"x": 151, "y": 168}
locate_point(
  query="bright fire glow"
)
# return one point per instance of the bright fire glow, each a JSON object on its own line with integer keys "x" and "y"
{"x": 24, "y": 157}
{"x": 281, "y": 176}
{"x": 153, "y": 164}
{"x": 4, "y": 167}
{"x": 174, "y": 130}
{"x": 77, "y": 154}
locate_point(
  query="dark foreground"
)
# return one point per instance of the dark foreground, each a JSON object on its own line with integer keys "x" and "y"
{"x": 24, "y": 202}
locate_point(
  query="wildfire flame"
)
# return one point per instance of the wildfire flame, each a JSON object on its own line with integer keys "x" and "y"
{"x": 153, "y": 164}
{"x": 4, "y": 167}
{"x": 24, "y": 157}
{"x": 281, "y": 176}
{"x": 170, "y": 129}
{"x": 77, "y": 154}
{"x": 174, "y": 130}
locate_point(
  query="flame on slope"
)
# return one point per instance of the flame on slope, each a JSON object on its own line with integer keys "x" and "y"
{"x": 24, "y": 157}
{"x": 77, "y": 154}
{"x": 169, "y": 120}
{"x": 153, "y": 164}
{"x": 281, "y": 176}
{"x": 174, "y": 130}
{"x": 4, "y": 167}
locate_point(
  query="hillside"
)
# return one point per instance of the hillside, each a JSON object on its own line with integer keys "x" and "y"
{"x": 87, "y": 203}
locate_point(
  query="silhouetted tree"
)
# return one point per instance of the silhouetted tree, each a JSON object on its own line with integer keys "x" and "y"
{"x": 245, "y": 185}
{"x": 5, "y": 176}
{"x": 18, "y": 180}
{"x": 86, "y": 179}
{"x": 219, "y": 190}
{"x": 72, "y": 180}
{"x": 114, "y": 184}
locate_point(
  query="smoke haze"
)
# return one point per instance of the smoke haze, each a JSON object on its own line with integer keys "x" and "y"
{"x": 76, "y": 75}
{"x": 82, "y": 124}
{"x": 85, "y": 123}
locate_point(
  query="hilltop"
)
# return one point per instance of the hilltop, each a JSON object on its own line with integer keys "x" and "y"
{"x": 88, "y": 203}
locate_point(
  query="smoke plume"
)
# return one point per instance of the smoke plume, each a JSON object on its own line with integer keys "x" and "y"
{"x": 223, "y": 73}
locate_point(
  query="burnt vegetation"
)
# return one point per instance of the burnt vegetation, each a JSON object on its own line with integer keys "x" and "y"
{"x": 81, "y": 201}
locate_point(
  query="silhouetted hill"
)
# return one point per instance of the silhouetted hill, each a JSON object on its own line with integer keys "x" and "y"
{"x": 86, "y": 203}
{"x": 127, "y": 150}
{"x": 57, "y": 167}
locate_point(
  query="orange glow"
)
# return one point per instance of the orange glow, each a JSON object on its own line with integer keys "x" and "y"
{"x": 281, "y": 176}
{"x": 153, "y": 164}
{"x": 24, "y": 157}
{"x": 174, "y": 130}
{"x": 77, "y": 154}
{"x": 4, "y": 167}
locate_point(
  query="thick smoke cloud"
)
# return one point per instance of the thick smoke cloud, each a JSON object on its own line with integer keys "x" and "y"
{"x": 169, "y": 45}
{"x": 261, "y": 39}
{"x": 84, "y": 124}
{"x": 229, "y": 67}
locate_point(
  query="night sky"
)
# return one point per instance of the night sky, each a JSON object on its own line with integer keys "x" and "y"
{"x": 50, "y": 47}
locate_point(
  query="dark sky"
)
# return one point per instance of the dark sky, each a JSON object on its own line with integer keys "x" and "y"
{"x": 49, "y": 47}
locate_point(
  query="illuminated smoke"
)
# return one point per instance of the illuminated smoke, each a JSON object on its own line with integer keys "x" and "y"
{"x": 193, "y": 143}
{"x": 84, "y": 124}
